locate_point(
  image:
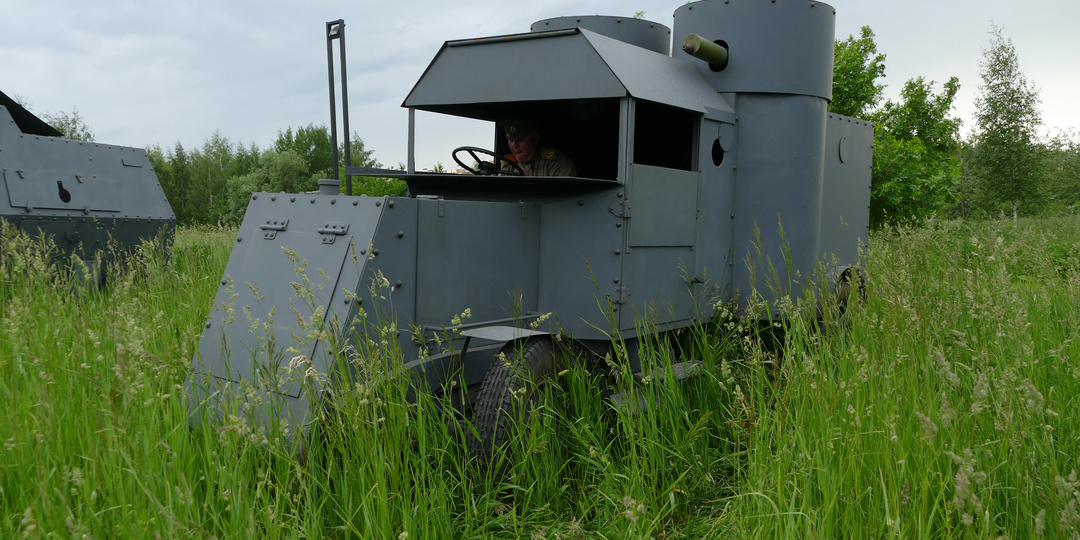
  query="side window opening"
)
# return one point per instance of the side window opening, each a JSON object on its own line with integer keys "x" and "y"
{"x": 664, "y": 136}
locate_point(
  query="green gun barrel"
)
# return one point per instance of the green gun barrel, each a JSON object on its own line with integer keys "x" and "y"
{"x": 698, "y": 47}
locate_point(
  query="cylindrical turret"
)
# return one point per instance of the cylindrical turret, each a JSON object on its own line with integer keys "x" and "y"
{"x": 777, "y": 46}
{"x": 779, "y": 57}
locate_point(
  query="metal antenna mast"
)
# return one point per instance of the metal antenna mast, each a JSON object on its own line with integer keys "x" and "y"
{"x": 336, "y": 30}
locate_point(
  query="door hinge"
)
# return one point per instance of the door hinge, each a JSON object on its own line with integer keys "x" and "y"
{"x": 619, "y": 296}
{"x": 273, "y": 226}
{"x": 330, "y": 231}
{"x": 620, "y": 209}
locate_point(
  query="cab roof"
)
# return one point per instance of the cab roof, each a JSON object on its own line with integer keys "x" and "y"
{"x": 570, "y": 64}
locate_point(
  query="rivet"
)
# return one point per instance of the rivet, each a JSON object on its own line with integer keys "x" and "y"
{"x": 354, "y": 203}
{"x": 253, "y": 197}
{"x": 390, "y": 204}
{"x": 375, "y": 251}
{"x": 580, "y": 202}
{"x": 224, "y": 281}
{"x": 619, "y": 194}
{"x": 239, "y": 238}
{"x": 292, "y": 199}
{"x": 333, "y": 201}
{"x": 312, "y": 200}
{"x": 618, "y": 224}
{"x": 618, "y": 252}
{"x": 401, "y": 234}
{"x": 273, "y": 197}
{"x": 378, "y": 204}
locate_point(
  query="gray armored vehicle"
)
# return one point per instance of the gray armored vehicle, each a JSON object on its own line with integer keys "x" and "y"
{"x": 697, "y": 170}
{"x": 93, "y": 200}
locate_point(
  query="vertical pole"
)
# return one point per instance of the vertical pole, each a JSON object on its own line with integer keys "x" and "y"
{"x": 411, "y": 167}
{"x": 345, "y": 108}
{"x": 330, "y": 34}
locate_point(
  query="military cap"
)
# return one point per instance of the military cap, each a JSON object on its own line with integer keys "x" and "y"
{"x": 516, "y": 128}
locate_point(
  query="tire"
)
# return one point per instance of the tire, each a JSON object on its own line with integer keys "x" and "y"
{"x": 850, "y": 288}
{"x": 508, "y": 393}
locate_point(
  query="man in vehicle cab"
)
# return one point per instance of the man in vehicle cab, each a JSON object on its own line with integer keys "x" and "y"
{"x": 534, "y": 160}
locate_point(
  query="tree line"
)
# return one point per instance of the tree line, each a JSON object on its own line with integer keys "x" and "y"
{"x": 922, "y": 168}
{"x": 213, "y": 184}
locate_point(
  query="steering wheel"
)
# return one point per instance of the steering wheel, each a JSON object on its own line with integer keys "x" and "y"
{"x": 486, "y": 167}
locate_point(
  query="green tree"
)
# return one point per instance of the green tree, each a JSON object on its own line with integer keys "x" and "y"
{"x": 923, "y": 115}
{"x": 915, "y": 140}
{"x": 245, "y": 160}
{"x": 275, "y": 171}
{"x": 207, "y": 192}
{"x": 163, "y": 168}
{"x": 1006, "y": 166}
{"x": 312, "y": 144}
{"x": 173, "y": 171}
{"x": 856, "y": 68}
{"x": 214, "y": 183}
{"x": 1062, "y": 173}
{"x": 71, "y": 125}
{"x": 916, "y": 154}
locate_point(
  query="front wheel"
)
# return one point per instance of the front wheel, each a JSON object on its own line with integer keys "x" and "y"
{"x": 508, "y": 393}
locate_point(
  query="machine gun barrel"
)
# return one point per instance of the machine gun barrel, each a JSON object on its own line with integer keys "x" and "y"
{"x": 713, "y": 53}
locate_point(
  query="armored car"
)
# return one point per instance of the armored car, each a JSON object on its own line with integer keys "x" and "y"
{"x": 706, "y": 159}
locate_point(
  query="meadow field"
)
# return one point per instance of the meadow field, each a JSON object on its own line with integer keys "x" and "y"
{"x": 943, "y": 405}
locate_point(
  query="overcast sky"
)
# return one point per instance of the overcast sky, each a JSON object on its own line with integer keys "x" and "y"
{"x": 144, "y": 72}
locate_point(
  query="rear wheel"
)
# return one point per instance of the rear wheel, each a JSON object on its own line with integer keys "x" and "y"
{"x": 507, "y": 395}
{"x": 849, "y": 288}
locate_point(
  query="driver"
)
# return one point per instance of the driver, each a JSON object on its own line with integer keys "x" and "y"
{"x": 526, "y": 151}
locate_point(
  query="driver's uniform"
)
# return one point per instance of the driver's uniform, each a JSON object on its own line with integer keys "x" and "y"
{"x": 546, "y": 162}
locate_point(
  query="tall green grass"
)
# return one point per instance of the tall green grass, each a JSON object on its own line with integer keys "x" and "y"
{"x": 945, "y": 409}
{"x": 943, "y": 406}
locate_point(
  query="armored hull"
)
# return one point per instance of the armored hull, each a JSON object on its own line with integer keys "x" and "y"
{"x": 91, "y": 200}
